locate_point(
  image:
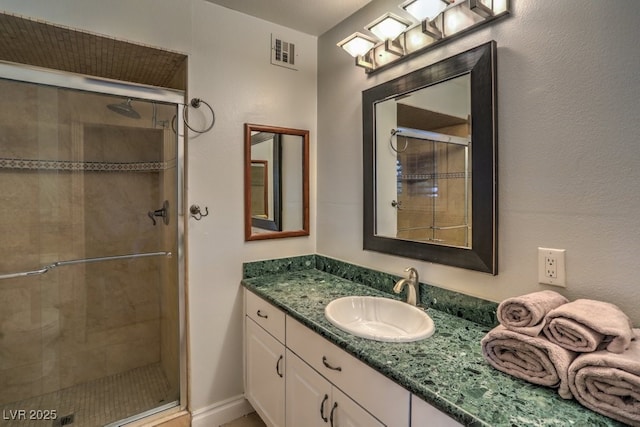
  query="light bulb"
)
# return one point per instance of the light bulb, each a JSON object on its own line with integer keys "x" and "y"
{"x": 388, "y": 26}
{"x": 357, "y": 44}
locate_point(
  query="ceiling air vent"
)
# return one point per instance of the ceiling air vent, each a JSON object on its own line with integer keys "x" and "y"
{"x": 283, "y": 53}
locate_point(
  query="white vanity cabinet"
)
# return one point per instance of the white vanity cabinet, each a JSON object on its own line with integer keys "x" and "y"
{"x": 423, "y": 414}
{"x": 265, "y": 360}
{"x": 312, "y": 401}
{"x": 299, "y": 378}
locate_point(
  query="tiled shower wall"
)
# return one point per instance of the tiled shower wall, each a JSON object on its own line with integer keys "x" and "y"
{"x": 81, "y": 322}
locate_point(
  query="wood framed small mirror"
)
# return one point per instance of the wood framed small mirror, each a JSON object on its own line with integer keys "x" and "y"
{"x": 276, "y": 182}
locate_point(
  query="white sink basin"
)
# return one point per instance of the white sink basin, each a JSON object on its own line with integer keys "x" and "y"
{"x": 380, "y": 319}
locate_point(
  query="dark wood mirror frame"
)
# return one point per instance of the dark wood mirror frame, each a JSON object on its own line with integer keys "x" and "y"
{"x": 248, "y": 219}
{"x": 480, "y": 63}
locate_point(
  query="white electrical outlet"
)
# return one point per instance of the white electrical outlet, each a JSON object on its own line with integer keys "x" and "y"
{"x": 551, "y": 267}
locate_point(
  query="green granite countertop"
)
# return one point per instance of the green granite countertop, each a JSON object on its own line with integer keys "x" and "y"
{"x": 447, "y": 370}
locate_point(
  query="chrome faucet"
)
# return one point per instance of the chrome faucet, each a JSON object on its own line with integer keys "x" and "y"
{"x": 413, "y": 294}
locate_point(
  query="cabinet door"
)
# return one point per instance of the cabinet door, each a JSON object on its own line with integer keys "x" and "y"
{"x": 313, "y": 402}
{"x": 346, "y": 413}
{"x": 386, "y": 400}
{"x": 423, "y": 414}
{"x": 265, "y": 369}
{"x": 308, "y": 395}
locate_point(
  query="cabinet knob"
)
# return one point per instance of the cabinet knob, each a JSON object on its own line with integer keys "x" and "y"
{"x": 326, "y": 363}
{"x": 260, "y": 314}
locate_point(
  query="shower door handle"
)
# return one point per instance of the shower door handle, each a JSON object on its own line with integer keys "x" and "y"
{"x": 57, "y": 264}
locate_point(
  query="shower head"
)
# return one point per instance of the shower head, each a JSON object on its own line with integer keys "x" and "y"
{"x": 125, "y": 109}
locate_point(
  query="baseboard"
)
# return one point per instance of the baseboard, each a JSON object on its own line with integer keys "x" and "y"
{"x": 221, "y": 412}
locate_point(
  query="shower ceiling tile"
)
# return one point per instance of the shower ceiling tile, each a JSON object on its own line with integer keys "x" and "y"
{"x": 43, "y": 44}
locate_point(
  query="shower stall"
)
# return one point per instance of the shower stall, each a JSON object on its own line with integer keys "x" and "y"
{"x": 91, "y": 257}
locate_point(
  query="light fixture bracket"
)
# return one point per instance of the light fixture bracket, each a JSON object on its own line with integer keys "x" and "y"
{"x": 365, "y": 61}
{"x": 394, "y": 47}
{"x": 430, "y": 29}
{"x": 476, "y": 6}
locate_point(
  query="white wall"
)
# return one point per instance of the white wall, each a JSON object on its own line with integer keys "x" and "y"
{"x": 229, "y": 68}
{"x": 569, "y": 151}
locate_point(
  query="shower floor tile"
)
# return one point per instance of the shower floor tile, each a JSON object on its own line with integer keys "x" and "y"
{"x": 94, "y": 403}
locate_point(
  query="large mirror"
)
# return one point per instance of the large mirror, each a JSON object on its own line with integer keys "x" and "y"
{"x": 429, "y": 150}
{"x": 276, "y": 182}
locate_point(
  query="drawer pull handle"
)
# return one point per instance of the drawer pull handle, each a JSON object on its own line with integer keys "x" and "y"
{"x": 325, "y": 363}
{"x": 278, "y": 366}
{"x": 325, "y": 419}
{"x": 264, "y": 316}
{"x": 335, "y": 406}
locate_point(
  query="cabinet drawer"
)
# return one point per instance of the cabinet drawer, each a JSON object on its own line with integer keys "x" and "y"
{"x": 265, "y": 315}
{"x": 385, "y": 399}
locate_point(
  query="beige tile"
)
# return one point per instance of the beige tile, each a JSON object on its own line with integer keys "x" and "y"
{"x": 25, "y": 336}
{"x": 20, "y": 194}
{"x": 250, "y": 420}
{"x": 131, "y": 333}
{"x": 22, "y": 382}
{"x": 76, "y": 368}
{"x": 127, "y": 356}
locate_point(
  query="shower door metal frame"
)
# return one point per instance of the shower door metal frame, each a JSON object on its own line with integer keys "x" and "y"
{"x": 65, "y": 80}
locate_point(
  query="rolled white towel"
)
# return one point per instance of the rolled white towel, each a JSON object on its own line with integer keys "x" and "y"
{"x": 533, "y": 359}
{"x": 609, "y": 383}
{"x": 587, "y": 325}
{"x": 526, "y": 313}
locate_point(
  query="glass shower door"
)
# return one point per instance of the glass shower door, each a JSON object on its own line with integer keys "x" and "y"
{"x": 89, "y": 286}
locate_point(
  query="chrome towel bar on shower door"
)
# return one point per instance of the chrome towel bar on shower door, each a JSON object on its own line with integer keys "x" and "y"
{"x": 82, "y": 261}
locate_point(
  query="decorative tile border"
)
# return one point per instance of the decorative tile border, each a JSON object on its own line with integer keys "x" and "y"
{"x": 64, "y": 165}
{"x": 434, "y": 176}
{"x": 470, "y": 308}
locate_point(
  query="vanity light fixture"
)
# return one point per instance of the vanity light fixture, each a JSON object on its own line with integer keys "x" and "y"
{"x": 424, "y": 9}
{"x": 438, "y": 22}
{"x": 388, "y": 26}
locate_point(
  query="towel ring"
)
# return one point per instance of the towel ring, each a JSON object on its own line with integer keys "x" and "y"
{"x": 195, "y": 103}
{"x": 406, "y": 142}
